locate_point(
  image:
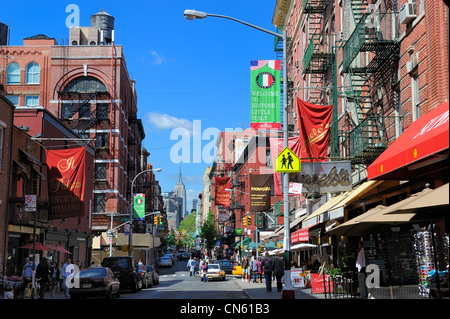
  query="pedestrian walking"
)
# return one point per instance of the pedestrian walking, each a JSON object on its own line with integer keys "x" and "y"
{"x": 61, "y": 278}
{"x": 278, "y": 271}
{"x": 361, "y": 266}
{"x": 43, "y": 275}
{"x": 68, "y": 270}
{"x": 54, "y": 277}
{"x": 244, "y": 268}
{"x": 259, "y": 272}
{"x": 205, "y": 270}
{"x": 189, "y": 265}
{"x": 27, "y": 273}
{"x": 254, "y": 269}
{"x": 267, "y": 268}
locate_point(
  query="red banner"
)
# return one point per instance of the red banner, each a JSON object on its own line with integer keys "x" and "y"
{"x": 66, "y": 182}
{"x": 314, "y": 123}
{"x": 222, "y": 197}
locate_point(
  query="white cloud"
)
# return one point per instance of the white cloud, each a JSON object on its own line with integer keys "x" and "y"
{"x": 164, "y": 121}
{"x": 158, "y": 59}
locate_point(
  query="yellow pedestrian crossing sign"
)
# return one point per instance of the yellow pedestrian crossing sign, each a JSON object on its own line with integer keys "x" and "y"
{"x": 287, "y": 162}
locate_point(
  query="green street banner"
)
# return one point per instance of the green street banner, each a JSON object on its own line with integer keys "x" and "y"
{"x": 139, "y": 206}
{"x": 265, "y": 95}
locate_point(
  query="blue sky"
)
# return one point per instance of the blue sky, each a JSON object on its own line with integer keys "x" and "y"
{"x": 185, "y": 71}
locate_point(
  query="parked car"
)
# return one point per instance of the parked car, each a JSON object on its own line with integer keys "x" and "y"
{"x": 170, "y": 256}
{"x": 165, "y": 262}
{"x": 227, "y": 265}
{"x": 215, "y": 272}
{"x": 124, "y": 268}
{"x": 237, "y": 270}
{"x": 146, "y": 277}
{"x": 96, "y": 282}
{"x": 154, "y": 273}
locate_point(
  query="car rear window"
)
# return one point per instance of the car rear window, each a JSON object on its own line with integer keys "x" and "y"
{"x": 213, "y": 266}
{"x": 114, "y": 263}
{"x": 93, "y": 272}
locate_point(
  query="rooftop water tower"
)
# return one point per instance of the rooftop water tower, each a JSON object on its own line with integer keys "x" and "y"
{"x": 3, "y": 34}
{"x": 104, "y": 22}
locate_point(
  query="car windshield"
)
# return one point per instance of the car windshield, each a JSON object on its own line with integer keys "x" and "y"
{"x": 93, "y": 272}
{"x": 165, "y": 258}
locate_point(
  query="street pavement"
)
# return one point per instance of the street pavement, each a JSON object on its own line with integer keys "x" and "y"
{"x": 254, "y": 291}
{"x": 258, "y": 291}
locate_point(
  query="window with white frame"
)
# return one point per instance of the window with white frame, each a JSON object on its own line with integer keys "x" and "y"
{"x": 13, "y": 73}
{"x": 33, "y": 73}
{"x": 31, "y": 100}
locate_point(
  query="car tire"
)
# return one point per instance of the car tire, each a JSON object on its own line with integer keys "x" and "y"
{"x": 109, "y": 293}
{"x": 118, "y": 294}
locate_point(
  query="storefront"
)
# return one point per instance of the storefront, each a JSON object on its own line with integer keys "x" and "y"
{"x": 405, "y": 234}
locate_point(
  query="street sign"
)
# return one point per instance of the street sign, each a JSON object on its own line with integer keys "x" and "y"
{"x": 287, "y": 162}
{"x": 30, "y": 203}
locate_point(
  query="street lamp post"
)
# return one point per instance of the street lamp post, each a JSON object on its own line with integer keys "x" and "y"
{"x": 287, "y": 291}
{"x": 130, "y": 237}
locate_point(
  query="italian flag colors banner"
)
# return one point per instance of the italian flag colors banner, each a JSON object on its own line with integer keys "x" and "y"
{"x": 265, "y": 106}
{"x": 66, "y": 182}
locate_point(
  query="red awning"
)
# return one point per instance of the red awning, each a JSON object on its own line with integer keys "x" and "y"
{"x": 421, "y": 141}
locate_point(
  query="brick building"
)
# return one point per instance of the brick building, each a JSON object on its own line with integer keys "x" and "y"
{"x": 86, "y": 86}
{"x": 384, "y": 66}
{"x": 6, "y": 136}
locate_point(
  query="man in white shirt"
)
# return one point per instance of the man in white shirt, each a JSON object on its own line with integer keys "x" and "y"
{"x": 67, "y": 271}
{"x": 361, "y": 266}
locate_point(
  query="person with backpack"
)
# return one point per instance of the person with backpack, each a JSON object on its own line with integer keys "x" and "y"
{"x": 267, "y": 268}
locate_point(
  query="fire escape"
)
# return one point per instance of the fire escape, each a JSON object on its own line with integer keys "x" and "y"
{"x": 318, "y": 57}
{"x": 369, "y": 63}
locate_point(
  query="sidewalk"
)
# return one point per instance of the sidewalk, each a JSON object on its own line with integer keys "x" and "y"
{"x": 258, "y": 291}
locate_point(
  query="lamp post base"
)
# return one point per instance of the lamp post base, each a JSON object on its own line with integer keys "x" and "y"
{"x": 287, "y": 294}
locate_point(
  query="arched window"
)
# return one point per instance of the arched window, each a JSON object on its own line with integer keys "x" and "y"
{"x": 85, "y": 84}
{"x": 13, "y": 73}
{"x": 33, "y": 71}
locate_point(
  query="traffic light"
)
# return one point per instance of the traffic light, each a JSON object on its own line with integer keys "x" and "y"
{"x": 157, "y": 220}
{"x": 247, "y": 221}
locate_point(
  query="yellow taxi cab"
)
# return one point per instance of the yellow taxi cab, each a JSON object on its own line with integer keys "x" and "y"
{"x": 237, "y": 270}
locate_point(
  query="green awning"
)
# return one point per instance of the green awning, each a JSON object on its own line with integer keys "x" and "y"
{"x": 246, "y": 241}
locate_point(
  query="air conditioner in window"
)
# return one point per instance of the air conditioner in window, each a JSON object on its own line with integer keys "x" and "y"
{"x": 412, "y": 63}
{"x": 408, "y": 12}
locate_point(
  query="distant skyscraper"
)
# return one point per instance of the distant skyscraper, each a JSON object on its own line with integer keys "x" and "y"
{"x": 180, "y": 192}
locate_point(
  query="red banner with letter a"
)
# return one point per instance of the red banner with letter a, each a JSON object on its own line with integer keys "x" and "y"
{"x": 314, "y": 123}
{"x": 222, "y": 197}
{"x": 66, "y": 182}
